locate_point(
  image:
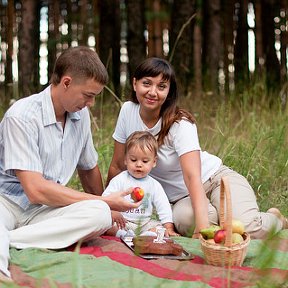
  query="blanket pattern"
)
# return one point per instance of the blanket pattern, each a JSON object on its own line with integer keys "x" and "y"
{"x": 106, "y": 261}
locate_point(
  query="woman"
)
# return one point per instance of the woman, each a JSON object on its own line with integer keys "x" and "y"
{"x": 189, "y": 176}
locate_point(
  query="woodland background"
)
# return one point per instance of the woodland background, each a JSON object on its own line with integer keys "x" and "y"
{"x": 206, "y": 42}
{"x": 230, "y": 59}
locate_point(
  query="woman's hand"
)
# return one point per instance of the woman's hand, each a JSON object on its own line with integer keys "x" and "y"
{"x": 191, "y": 168}
{"x": 118, "y": 218}
{"x": 170, "y": 231}
{"x": 196, "y": 235}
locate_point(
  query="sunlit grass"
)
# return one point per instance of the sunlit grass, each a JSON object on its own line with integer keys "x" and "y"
{"x": 252, "y": 139}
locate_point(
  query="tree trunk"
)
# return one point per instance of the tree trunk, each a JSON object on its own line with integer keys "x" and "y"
{"x": 181, "y": 42}
{"x": 29, "y": 47}
{"x": 284, "y": 47}
{"x": 241, "y": 46}
{"x": 259, "y": 68}
{"x": 272, "y": 62}
{"x": 197, "y": 54}
{"x": 109, "y": 46}
{"x": 71, "y": 33}
{"x": 213, "y": 44}
{"x": 83, "y": 25}
{"x": 228, "y": 46}
{"x": 9, "y": 37}
{"x": 95, "y": 28}
{"x": 155, "y": 41}
{"x": 9, "y": 12}
{"x": 284, "y": 41}
{"x": 53, "y": 34}
{"x": 136, "y": 44}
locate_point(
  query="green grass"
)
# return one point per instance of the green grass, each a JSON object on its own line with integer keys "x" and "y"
{"x": 253, "y": 140}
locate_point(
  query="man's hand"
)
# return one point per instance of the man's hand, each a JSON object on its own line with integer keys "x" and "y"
{"x": 117, "y": 202}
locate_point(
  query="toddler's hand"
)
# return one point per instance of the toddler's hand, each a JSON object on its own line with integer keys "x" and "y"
{"x": 118, "y": 218}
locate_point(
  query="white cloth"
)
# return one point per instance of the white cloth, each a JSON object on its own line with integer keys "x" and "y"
{"x": 48, "y": 227}
{"x": 32, "y": 140}
{"x": 154, "y": 196}
{"x": 182, "y": 138}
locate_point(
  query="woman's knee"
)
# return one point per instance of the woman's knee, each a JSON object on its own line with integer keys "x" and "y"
{"x": 183, "y": 217}
{"x": 213, "y": 215}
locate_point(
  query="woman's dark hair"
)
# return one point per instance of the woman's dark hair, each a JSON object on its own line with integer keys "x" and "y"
{"x": 170, "y": 112}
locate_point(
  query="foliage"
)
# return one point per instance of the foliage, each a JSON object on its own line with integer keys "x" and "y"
{"x": 209, "y": 43}
{"x": 251, "y": 137}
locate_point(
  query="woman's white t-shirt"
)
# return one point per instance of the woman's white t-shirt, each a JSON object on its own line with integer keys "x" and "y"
{"x": 182, "y": 138}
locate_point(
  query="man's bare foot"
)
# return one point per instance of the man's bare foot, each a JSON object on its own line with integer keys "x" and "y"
{"x": 4, "y": 278}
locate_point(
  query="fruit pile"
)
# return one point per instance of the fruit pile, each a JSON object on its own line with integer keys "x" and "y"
{"x": 217, "y": 235}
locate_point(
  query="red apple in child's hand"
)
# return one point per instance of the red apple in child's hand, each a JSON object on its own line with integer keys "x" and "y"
{"x": 137, "y": 194}
{"x": 219, "y": 236}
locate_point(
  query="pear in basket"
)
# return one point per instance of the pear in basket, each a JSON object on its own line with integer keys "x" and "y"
{"x": 208, "y": 233}
{"x": 237, "y": 238}
{"x": 237, "y": 227}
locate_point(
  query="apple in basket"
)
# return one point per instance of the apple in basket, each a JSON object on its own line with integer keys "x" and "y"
{"x": 137, "y": 194}
{"x": 220, "y": 236}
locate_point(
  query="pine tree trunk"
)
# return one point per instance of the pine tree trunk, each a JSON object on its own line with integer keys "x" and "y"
{"x": 136, "y": 44}
{"x": 83, "y": 35}
{"x": 181, "y": 42}
{"x": 95, "y": 28}
{"x": 9, "y": 53}
{"x": 9, "y": 37}
{"x": 284, "y": 43}
{"x": 241, "y": 47}
{"x": 259, "y": 67}
{"x": 213, "y": 44}
{"x": 228, "y": 45}
{"x": 272, "y": 62}
{"x": 284, "y": 46}
{"x": 29, "y": 48}
{"x": 197, "y": 91}
{"x": 109, "y": 46}
{"x": 155, "y": 42}
{"x": 53, "y": 32}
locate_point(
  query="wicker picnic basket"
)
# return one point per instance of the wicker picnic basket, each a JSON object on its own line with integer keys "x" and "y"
{"x": 228, "y": 254}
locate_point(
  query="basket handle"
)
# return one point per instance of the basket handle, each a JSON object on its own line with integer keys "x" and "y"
{"x": 226, "y": 223}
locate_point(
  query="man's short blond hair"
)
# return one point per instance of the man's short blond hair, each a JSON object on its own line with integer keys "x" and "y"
{"x": 81, "y": 63}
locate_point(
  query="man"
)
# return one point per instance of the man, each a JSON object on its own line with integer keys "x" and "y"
{"x": 43, "y": 139}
